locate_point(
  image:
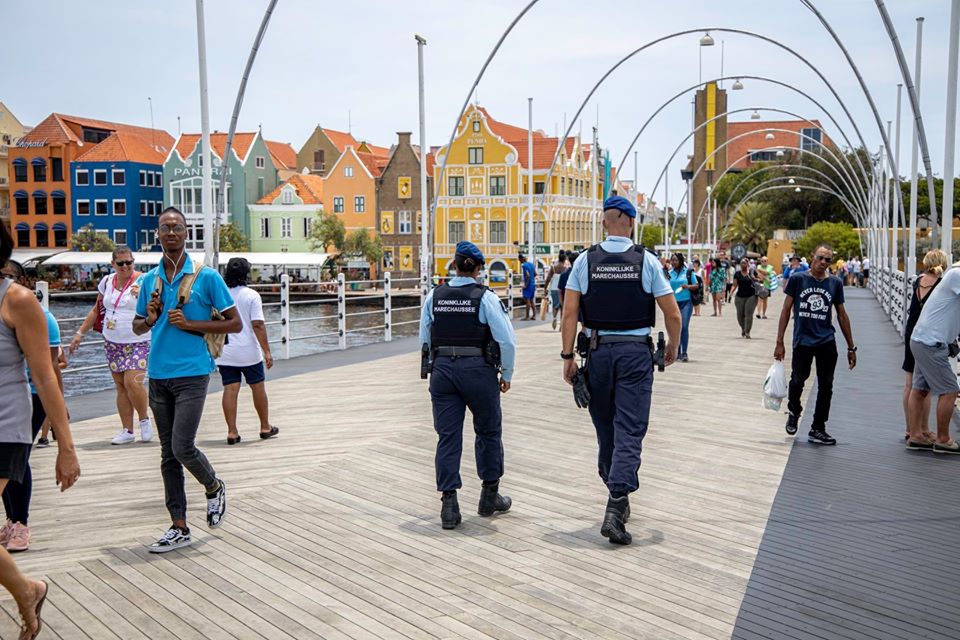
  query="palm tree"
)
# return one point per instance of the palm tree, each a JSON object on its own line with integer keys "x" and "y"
{"x": 750, "y": 226}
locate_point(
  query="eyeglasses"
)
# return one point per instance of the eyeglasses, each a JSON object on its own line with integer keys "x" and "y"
{"x": 177, "y": 228}
{"x": 823, "y": 258}
{"x": 124, "y": 263}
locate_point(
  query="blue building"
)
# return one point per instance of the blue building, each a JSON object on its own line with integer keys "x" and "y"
{"x": 117, "y": 186}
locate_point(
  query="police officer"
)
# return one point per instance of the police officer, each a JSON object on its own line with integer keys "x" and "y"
{"x": 467, "y": 334}
{"x": 615, "y": 287}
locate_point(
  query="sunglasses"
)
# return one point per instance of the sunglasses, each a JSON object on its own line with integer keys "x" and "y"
{"x": 823, "y": 258}
{"x": 124, "y": 263}
{"x": 177, "y": 228}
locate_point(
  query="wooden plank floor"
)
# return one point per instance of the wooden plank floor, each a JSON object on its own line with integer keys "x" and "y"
{"x": 333, "y": 528}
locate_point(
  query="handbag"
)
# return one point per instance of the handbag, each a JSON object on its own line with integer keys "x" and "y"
{"x": 101, "y": 315}
{"x": 760, "y": 290}
{"x": 544, "y": 308}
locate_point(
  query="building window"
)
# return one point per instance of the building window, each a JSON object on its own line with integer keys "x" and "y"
{"x": 264, "y": 227}
{"x": 40, "y": 173}
{"x": 56, "y": 169}
{"x": 498, "y": 185}
{"x": 455, "y": 185}
{"x": 40, "y": 205}
{"x": 318, "y": 161}
{"x": 83, "y": 207}
{"x": 146, "y": 238}
{"x": 159, "y": 204}
{"x": 307, "y": 226}
{"x": 119, "y": 207}
{"x": 119, "y": 236}
{"x": 589, "y": 194}
{"x": 475, "y": 155}
{"x": 498, "y": 232}
{"x": 348, "y": 171}
{"x": 59, "y": 206}
{"x": 763, "y": 156}
{"x": 43, "y": 236}
{"x": 143, "y": 207}
{"x": 23, "y": 236}
{"x": 538, "y": 186}
{"x": 406, "y": 222}
{"x": 20, "y": 175}
{"x": 59, "y": 236}
{"x": 186, "y": 195}
{"x": 476, "y": 126}
{"x": 100, "y": 207}
{"x": 563, "y": 185}
{"x": 150, "y": 179}
{"x": 23, "y": 206}
{"x": 387, "y": 259}
{"x": 119, "y": 177}
{"x": 260, "y": 187}
{"x": 286, "y": 227}
{"x": 100, "y": 177}
{"x": 260, "y": 162}
{"x": 456, "y": 232}
{"x": 83, "y": 177}
{"x": 159, "y": 179}
{"x": 287, "y": 196}
{"x": 338, "y": 204}
{"x": 811, "y": 145}
{"x": 143, "y": 178}
{"x": 359, "y": 204}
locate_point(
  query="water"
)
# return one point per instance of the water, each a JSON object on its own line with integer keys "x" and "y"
{"x": 372, "y": 316}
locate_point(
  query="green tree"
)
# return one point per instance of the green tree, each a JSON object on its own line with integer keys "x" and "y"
{"x": 750, "y": 226}
{"x": 363, "y": 243}
{"x": 923, "y": 197}
{"x": 839, "y": 235}
{"x": 232, "y": 240}
{"x": 87, "y": 239}
{"x": 327, "y": 232}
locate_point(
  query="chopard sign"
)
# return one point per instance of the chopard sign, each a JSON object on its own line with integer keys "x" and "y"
{"x": 30, "y": 144}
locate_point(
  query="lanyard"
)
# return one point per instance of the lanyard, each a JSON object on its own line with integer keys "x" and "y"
{"x": 116, "y": 303}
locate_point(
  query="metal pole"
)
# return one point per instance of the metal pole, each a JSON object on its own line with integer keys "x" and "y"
{"x": 285, "y": 316}
{"x": 689, "y": 225}
{"x": 594, "y": 198}
{"x": 530, "y": 179}
{"x": 713, "y": 242}
{"x": 914, "y": 151}
{"x": 206, "y": 201}
{"x": 424, "y": 212}
{"x": 898, "y": 210}
{"x": 666, "y": 210}
{"x": 387, "y": 309}
{"x": 636, "y": 200}
{"x": 342, "y": 310}
{"x": 950, "y": 142}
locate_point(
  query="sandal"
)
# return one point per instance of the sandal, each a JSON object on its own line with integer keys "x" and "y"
{"x": 269, "y": 434}
{"x": 24, "y": 632}
{"x": 233, "y": 440}
{"x": 925, "y": 444}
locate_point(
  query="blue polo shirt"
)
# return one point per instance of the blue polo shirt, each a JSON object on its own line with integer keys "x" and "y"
{"x": 653, "y": 279}
{"x": 492, "y": 313}
{"x": 677, "y": 280}
{"x": 175, "y": 353}
{"x": 53, "y": 339}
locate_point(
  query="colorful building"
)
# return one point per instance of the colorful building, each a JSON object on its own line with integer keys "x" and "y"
{"x": 483, "y": 194}
{"x": 758, "y": 146}
{"x": 251, "y": 174}
{"x": 282, "y": 220}
{"x": 284, "y": 158}
{"x": 350, "y": 189}
{"x": 322, "y": 149}
{"x": 40, "y": 175}
{"x": 398, "y": 208}
{"x": 11, "y": 130}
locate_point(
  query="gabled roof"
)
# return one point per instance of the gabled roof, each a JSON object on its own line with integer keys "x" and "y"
{"x": 507, "y": 131}
{"x": 543, "y": 151}
{"x": 284, "y": 156}
{"x": 377, "y": 150}
{"x": 61, "y": 128}
{"x": 374, "y": 163}
{"x": 122, "y": 146}
{"x": 218, "y": 144}
{"x": 340, "y": 139}
{"x": 309, "y": 188}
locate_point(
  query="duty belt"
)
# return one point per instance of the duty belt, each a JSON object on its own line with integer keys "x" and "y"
{"x": 458, "y": 352}
{"x": 611, "y": 339}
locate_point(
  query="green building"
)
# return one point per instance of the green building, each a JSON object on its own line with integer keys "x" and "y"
{"x": 281, "y": 220}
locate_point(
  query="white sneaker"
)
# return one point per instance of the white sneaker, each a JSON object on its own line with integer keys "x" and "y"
{"x": 174, "y": 538}
{"x": 124, "y": 437}
{"x": 146, "y": 430}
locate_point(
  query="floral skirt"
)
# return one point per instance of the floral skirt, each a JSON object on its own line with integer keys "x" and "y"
{"x": 127, "y": 357}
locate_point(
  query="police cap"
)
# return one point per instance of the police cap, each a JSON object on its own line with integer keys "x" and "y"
{"x": 469, "y": 250}
{"x": 620, "y": 204}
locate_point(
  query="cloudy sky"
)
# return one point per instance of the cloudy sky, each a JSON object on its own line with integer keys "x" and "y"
{"x": 355, "y": 62}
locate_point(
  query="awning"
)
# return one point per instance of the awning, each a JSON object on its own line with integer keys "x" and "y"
{"x": 20, "y": 193}
{"x": 40, "y": 226}
{"x": 57, "y": 193}
{"x": 88, "y": 258}
{"x": 59, "y": 227}
{"x": 152, "y": 258}
{"x": 25, "y": 256}
{"x": 279, "y": 258}
{"x": 38, "y": 162}
{"x": 23, "y": 226}
{"x": 19, "y": 162}
{"x": 39, "y": 193}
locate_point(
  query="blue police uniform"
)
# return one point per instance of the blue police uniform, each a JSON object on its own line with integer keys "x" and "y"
{"x": 458, "y": 321}
{"x": 618, "y": 283}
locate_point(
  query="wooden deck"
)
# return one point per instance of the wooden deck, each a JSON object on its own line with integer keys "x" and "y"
{"x": 333, "y": 528}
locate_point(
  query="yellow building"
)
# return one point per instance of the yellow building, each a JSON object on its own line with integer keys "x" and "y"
{"x": 483, "y": 195}
{"x": 10, "y": 130}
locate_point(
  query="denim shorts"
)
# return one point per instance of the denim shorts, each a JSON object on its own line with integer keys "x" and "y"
{"x": 253, "y": 374}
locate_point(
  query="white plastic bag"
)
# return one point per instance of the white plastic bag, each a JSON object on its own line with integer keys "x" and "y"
{"x": 775, "y": 386}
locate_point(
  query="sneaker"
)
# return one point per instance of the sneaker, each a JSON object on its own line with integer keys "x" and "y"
{"x": 950, "y": 447}
{"x": 174, "y": 538}
{"x": 792, "y": 422}
{"x": 920, "y": 445}
{"x": 5, "y": 533}
{"x": 554, "y": 323}
{"x": 146, "y": 430}
{"x": 124, "y": 437}
{"x": 819, "y": 436}
{"x": 684, "y": 358}
{"x": 42, "y": 443}
{"x": 217, "y": 506}
{"x": 19, "y": 538}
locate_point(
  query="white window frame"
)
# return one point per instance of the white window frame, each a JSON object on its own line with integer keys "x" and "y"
{"x": 286, "y": 196}
{"x": 158, "y": 182}
{"x": 106, "y": 209}
{"x": 86, "y": 174}
{"x": 123, "y": 177}
{"x": 96, "y": 174}
{"x": 260, "y": 162}
{"x": 116, "y": 239}
{"x": 498, "y": 236}
{"x": 307, "y": 226}
{"x": 143, "y": 178}
{"x": 348, "y": 171}
{"x": 475, "y": 155}
{"x": 144, "y": 211}
{"x": 286, "y": 227}
{"x": 113, "y": 207}
{"x": 359, "y": 204}
{"x": 462, "y": 231}
{"x": 87, "y": 202}
{"x": 405, "y": 222}
{"x": 265, "y": 228}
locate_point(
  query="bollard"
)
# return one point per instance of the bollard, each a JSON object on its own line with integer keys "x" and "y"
{"x": 387, "y": 309}
{"x": 342, "y": 310}
{"x": 43, "y": 293}
{"x": 285, "y": 316}
{"x": 510, "y": 292}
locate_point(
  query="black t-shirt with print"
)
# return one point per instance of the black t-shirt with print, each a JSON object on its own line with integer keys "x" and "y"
{"x": 813, "y": 302}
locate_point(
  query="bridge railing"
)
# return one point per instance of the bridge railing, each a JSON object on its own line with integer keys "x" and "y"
{"x": 891, "y": 288}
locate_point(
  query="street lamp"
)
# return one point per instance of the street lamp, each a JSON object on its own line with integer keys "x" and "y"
{"x": 797, "y": 190}
{"x": 737, "y": 85}
{"x": 769, "y": 136}
{"x": 779, "y": 153}
{"x": 792, "y": 181}
{"x": 706, "y": 40}
{"x": 755, "y": 115}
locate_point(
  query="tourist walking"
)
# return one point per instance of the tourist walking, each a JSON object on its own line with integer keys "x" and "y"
{"x": 684, "y": 284}
{"x": 865, "y": 271}
{"x": 796, "y": 266}
{"x": 855, "y": 271}
{"x": 744, "y": 293}
{"x": 718, "y": 286}
{"x": 467, "y": 336}
{"x": 177, "y": 303}
{"x": 731, "y": 270}
{"x": 565, "y": 276}
{"x": 551, "y": 287}
{"x": 127, "y": 353}
{"x": 767, "y": 278}
{"x": 699, "y": 276}
{"x": 529, "y": 288}
{"x": 934, "y": 264}
{"x": 25, "y": 342}
{"x": 245, "y": 354}
{"x": 617, "y": 287}
{"x": 810, "y": 298}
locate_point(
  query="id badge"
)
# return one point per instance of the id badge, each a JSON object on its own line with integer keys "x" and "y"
{"x": 111, "y": 324}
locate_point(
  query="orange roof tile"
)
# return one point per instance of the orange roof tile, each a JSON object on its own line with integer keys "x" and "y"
{"x": 340, "y": 139}
{"x": 377, "y": 150}
{"x": 507, "y": 131}
{"x": 61, "y": 128}
{"x": 309, "y": 188}
{"x": 374, "y": 163}
{"x": 543, "y": 151}
{"x": 218, "y": 141}
{"x": 284, "y": 156}
{"x": 122, "y": 146}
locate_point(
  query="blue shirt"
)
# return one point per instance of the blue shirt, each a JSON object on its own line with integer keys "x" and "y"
{"x": 53, "y": 339}
{"x": 491, "y": 313}
{"x": 653, "y": 279}
{"x": 813, "y": 302}
{"x": 530, "y": 276}
{"x": 789, "y": 271}
{"x": 174, "y": 353}
{"x": 677, "y": 280}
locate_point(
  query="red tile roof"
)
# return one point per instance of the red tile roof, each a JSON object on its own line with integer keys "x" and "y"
{"x": 61, "y": 128}
{"x": 122, "y": 146}
{"x": 340, "y": 139}
{"x": 507, "y": 131}
{"x": 284, "y": 156}
{"x": 377, "y": 150}
{"x": 374, "y": 163}
{"x": 218, "y": 141}
{"x": 309, "y": 188}
{"x": 543, "y": 151}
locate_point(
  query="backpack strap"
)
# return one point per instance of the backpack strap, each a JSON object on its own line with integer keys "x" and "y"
{"x": 186, "y": 285}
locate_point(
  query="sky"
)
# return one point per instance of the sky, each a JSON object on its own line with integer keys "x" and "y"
{"x": 354, "y": 65}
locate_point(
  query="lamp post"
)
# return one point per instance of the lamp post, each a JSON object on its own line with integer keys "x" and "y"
{"x": 914, "y": 152}
{"x": 530, "y": 180}
{"x": 946, "y": 240}
{"x": 705, "y": 41}
{"x": 206, "y": 202}
{"x": 425, "y": 218}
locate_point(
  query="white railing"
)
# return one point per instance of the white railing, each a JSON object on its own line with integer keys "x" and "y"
{"x": 891, "y": 288}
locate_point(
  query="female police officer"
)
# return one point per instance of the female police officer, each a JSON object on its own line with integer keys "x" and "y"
{"x": 467, "y": 335}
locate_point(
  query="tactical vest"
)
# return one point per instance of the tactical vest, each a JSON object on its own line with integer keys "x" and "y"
{"x": 615, "y": 297}
{"x": 456, "y": 317}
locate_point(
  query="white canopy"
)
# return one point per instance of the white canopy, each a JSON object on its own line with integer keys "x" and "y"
{"x": 152, "y": 258}
{"x": 24, "y": 256}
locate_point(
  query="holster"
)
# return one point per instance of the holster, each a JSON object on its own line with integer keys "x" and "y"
{"x": 426, "y": 362}
{"x": 491, "y": 354}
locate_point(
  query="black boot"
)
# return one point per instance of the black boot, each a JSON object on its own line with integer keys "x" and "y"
{"x": 618, "y": 510}
{"x": 491, "y": 501}
{"x": 450, "y": 510}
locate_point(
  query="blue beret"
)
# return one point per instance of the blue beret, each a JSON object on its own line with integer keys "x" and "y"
{"x": 621, "y": 204}
{"x": 469, "y": 250}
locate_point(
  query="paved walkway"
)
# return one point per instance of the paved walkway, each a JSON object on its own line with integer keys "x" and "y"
{"x": 333, "y": 528}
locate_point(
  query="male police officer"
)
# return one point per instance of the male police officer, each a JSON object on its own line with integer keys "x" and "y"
{"x": 614, "y": 285}
{"x": 466, "y": 333}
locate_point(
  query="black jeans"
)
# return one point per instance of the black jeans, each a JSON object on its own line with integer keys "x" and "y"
{"x": 16, "y": 497}
{"x": 177, "y": 405}
{"x": 803, "y": 357}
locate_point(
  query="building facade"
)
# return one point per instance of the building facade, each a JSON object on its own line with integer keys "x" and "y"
{"x": 282, "y": 220}
{"x": 483, "y": 196}
{"x": 753, "y": 143}
{"x": 399, "y": 217}
{"x": 11, "y": 130}
{"x": 322, "y": 149}
{"x": 710, "y": 108}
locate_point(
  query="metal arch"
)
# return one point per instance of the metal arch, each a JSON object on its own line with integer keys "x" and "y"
{"x": 757, "y": 191}
{"x": 823, "y": 175}
{"x": 838, "y": 194}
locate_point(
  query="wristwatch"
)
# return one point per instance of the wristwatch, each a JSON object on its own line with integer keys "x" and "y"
{"x": 851, "y": 349}
{"x": 566, "y": 356}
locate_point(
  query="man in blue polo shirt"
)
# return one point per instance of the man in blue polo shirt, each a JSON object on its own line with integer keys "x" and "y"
{"x": 617, "y": 286}
{"x": 179, "y": 368}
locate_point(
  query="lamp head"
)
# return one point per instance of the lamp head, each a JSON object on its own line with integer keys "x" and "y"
{"x": 737, "y": 85}
{"x": 755, "y": 115}
{"x": 779, "y": 153}
{"x": 792, "y": 181}
{"x": 797, "y": 190}
{"x": 769, "y": 136}
{"x": 706, "y": 40}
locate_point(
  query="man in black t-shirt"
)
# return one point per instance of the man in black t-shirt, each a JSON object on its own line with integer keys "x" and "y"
{"x": 811, "y": 297}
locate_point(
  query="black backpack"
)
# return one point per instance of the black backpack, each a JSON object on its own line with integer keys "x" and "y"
{"x": 696, "y": 296}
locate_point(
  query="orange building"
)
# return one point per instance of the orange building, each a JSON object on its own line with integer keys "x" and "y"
{"x": 758, "y": 146}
